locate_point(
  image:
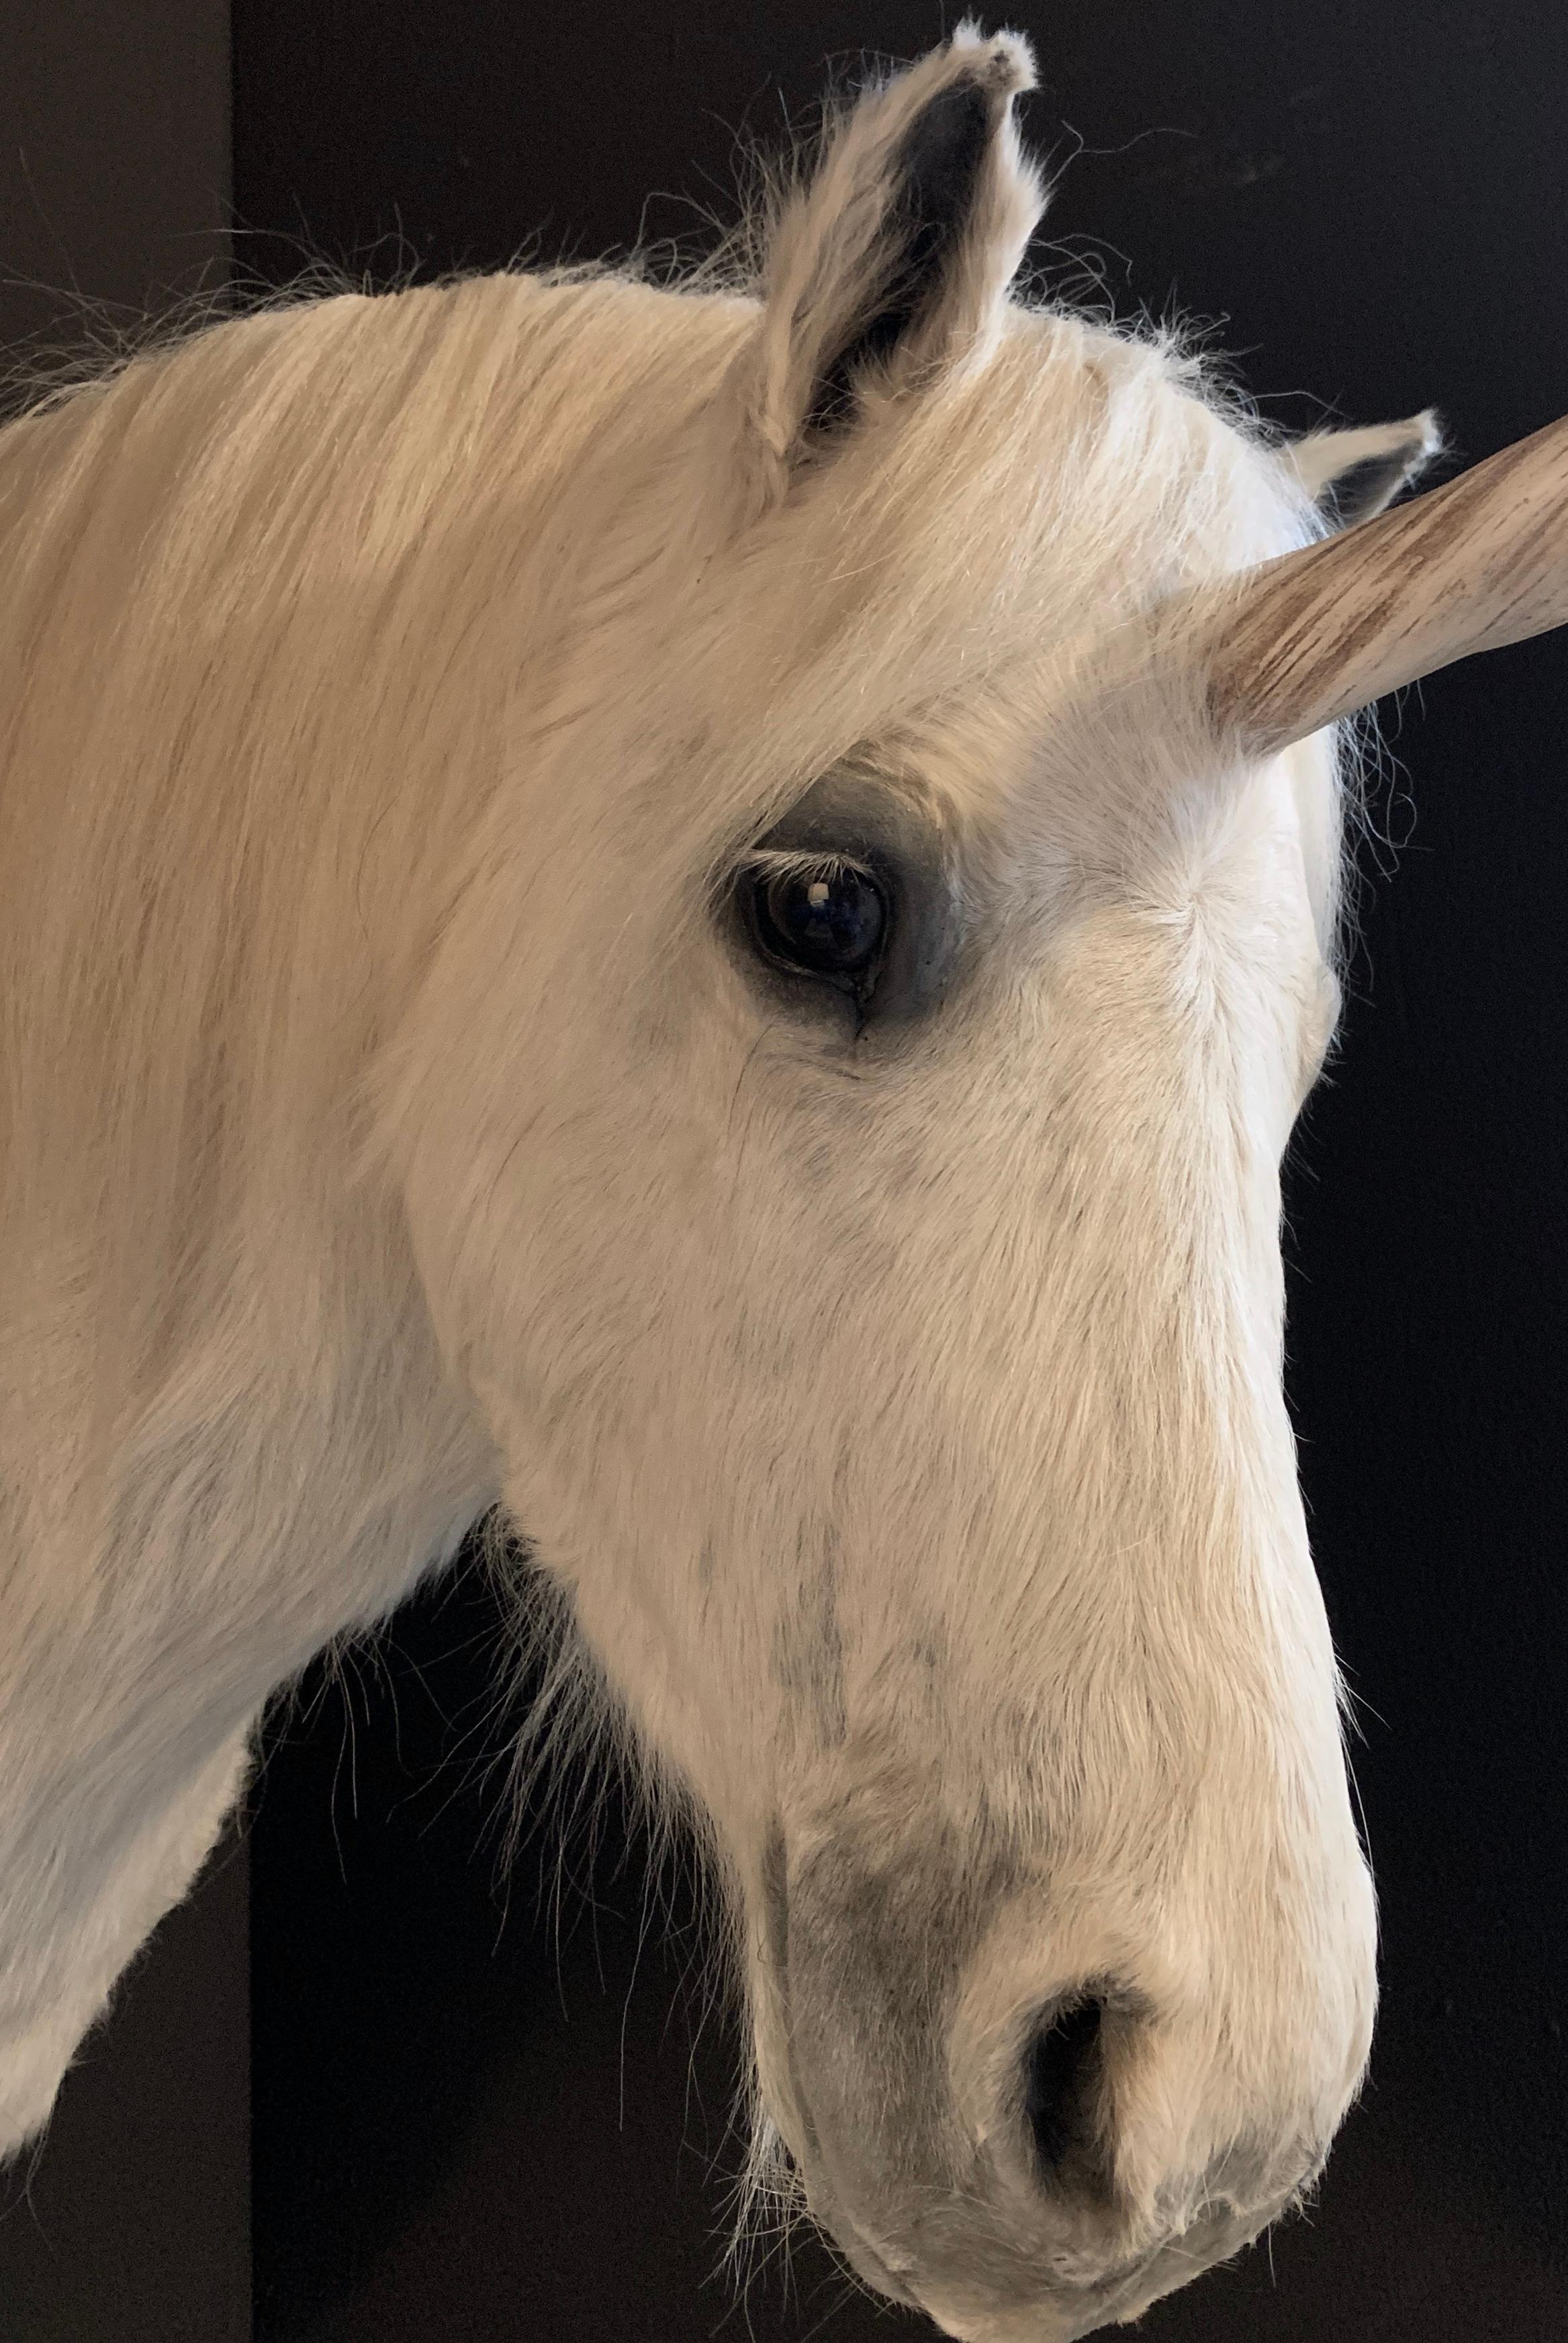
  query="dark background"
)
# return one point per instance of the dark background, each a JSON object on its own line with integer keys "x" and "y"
{"x": 483, "y": 2110}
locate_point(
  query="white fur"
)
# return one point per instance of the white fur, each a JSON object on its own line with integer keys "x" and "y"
{"x": 386, "y": 687}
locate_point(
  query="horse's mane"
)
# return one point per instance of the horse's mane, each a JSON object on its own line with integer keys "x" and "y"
{"x": 216, "y": 560}
{"x": 269, "y": 592}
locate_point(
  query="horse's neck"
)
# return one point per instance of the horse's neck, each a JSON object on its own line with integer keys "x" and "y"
{"x": 297, "y": 1454}
{"x": 152, "y": 1601}
{"x": 275, "y": 1473}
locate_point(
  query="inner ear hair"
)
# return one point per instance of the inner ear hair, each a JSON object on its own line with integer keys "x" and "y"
{"x": 1353, "y": 475}
{"x": 891, "y": 266}
{"x": 936, "y": 177}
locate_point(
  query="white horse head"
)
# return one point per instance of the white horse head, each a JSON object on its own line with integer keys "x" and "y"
{"x": 709, "y": 915}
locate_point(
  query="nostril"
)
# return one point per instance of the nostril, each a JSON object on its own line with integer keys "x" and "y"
{"x": 1061, "y": 2086}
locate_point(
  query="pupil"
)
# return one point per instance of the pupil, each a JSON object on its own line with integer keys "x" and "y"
{"x": 828, "y": 924}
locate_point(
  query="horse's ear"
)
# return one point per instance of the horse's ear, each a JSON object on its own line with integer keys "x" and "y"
{"x": 1351, "y": 475}
{"x": 890, "y": 267}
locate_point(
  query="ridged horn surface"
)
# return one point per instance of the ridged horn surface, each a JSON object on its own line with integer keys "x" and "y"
{"x": 1478, "y": 562}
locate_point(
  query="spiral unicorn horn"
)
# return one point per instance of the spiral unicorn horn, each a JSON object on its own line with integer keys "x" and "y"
{"x": 1467, "y": 567}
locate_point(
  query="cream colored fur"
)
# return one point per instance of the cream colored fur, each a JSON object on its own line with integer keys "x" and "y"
{"x": 387, "y": 689}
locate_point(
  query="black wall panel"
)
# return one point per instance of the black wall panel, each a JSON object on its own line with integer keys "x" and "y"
{"x": 114, "y": 162}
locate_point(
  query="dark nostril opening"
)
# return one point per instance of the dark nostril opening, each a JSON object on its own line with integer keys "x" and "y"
{"x": 1061, "y": 2086}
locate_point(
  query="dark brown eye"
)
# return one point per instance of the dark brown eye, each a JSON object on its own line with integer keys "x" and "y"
{"x": 826, "y": 922}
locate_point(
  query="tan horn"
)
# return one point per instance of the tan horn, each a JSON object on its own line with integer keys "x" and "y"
{"x": 1478, "y": 562}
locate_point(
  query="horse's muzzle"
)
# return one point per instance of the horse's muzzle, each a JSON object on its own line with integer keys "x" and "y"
{"x": 991, "y": 2199}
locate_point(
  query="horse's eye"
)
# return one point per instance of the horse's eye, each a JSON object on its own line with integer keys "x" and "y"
{"x": 826, "y": 922}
